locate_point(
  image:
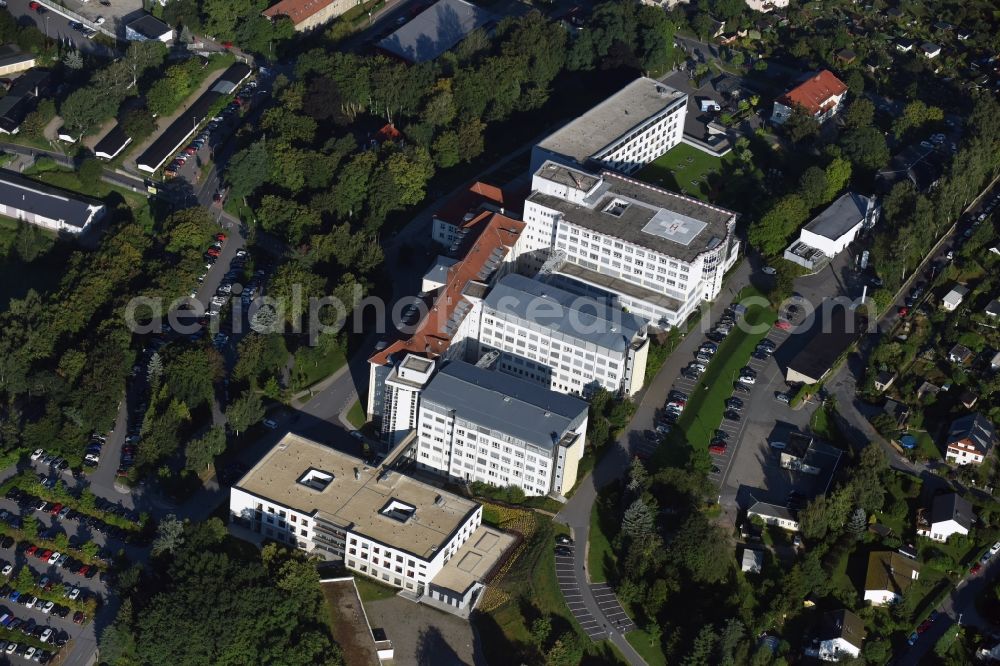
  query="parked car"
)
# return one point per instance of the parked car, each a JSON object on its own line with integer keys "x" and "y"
{"x": 783, "y": 325}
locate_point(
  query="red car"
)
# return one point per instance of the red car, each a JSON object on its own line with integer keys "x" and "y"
{"x": 924, "y": 626}
{"x": 34, "y": 6}
{"x": 83, "y": 570}
{"x": 975, "y": 568}
{"x": 903, "y": 311}
{"x": 56, "y": 509}
{"x": 718, "y": 448}
{"x": 190, "y": 150}
{"x": 43, "y": 554}
{"x": 212, "y": 251}
{"x": 31, "y": 550}
{"x": 221, "y": 237}
{"x": 78, "y": 617}
{"x": 227, "y": 45}
{"x": 782, "y": 325}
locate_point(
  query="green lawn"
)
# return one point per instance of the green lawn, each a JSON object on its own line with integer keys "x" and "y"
{"x": 686, "y": 170}
{"x": 926, "y": 446}
{"x": 70, "y": 181}
{"x": 310, "y": 370}
{"x": 706, "y": 403}
{"x": 356, "y": 414}
{"x": 370, "y": 590}
{"x": 599, "y": 553}
{"x": 649, "y": 650}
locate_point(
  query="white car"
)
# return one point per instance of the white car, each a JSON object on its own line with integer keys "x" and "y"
{"x": 995, "y": 548}
{"x": 37, "y": 454}
{"x": 29, "y": 653}
{"x": 92, "y": 457}
{"x": 270, "y": 423}
{"x": 697, "y": 367}
{"x": 99, "y": 20}
{"x": 74, "y": 593}
{"x": 31, "y": 602}
{"x": 54, "y": 557}
{"x": 47, "y": 608}
{"x": 47, "y": 634}
{"x": 7, "y": 570}
{"x": 768, "y": 270}
{"x": 747, "y": 379}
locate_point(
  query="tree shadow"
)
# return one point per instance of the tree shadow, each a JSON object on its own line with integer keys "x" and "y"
{"x": 433, "y": 649}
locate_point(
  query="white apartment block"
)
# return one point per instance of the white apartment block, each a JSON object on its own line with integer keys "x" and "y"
{"x": 626, "y": 131}
{"x": 403, "y": 386}
{"x": 482, "y": 425}
{"x": 653, "y": 252}
{"x": 381, "y": 524}
{"x": 568, "y": 343}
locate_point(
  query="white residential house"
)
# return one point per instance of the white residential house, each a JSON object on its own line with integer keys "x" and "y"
{"x": 47, "y": 206}
{"x": 820, "y": 96}
{"x": 830, "y": 232}
{"x": 628, "y": 130}
{"x": 930, "y": 50}
{"x": 483, "y": 425}
{"x": 841, "y": 636}
{"x": 753, "y": 560}
{"x": 949, "y": 514}
{"x": 378, "y": 522}
{"x": 954, "y": 297}
{"x": 766, "y": 5}
{"x": 970, "y": 439}
{"x": 889, "y": 577}
{"x": 774, "y": 514}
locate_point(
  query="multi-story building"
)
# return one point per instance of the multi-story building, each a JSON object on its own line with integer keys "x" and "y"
{"x": 447, "y": 313}
{"x": 380, "y": 523}
{"x": 565, "y": 342}
{"x": 653, "y": 252}
{"x": 481, "y": 425}
{"x": 460, "y": 215}
{"x": 626, "y": 131}
{"x": 821, "y": 96}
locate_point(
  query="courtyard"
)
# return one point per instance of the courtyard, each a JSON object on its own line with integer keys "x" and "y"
{"x": 686, "y": 170}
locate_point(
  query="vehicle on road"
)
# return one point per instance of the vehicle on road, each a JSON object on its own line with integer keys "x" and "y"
{"x": 769, "y": 270}
{"x": 783, "y": 325}
{"x": 975, "y": 568}
{"x": 270, "y": 423}
{"x": 717, "y": 447}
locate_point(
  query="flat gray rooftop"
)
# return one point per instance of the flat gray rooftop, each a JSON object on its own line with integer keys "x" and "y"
{"x": 615, "y": 285}
{"x": 564, "y": 313}
{"x": 840, "y": 217}
{"x": 615, "y": 117}
{"x": 668, "y": 223}
{"x": 435, "y": 30}
{"x": 501, "y": 402}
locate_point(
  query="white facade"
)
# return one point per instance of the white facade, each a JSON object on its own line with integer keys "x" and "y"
{"x": 664, "y": 283}
{"x": 402, "y": 396}
{"x": 482, "y": 425}
{"x": 953, "y": 298}
{"x": 389, "y": 527}
{"x": 962, "y": 455}
{"x": 766, "y": 5}
{"x": 625, "y": 132}
{"x": 835, "y": 649}
{"x": 882, "y": 597}
{"x": 941, "y": 531}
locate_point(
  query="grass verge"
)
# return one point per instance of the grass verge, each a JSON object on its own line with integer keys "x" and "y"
{"x": 356, "y": 414}
{"x": 706, "y": 404}
{"x": 371, "y": 590}
{"x": 599, "y": 551}
{"x": 647, "y": 648}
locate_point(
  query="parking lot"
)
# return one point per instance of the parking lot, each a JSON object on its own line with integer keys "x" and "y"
{"x": 570, "y": 588}
{"x": 608, "y": 603}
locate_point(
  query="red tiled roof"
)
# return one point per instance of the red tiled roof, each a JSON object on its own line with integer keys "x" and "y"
{"x": 389, "y": 133}
{"x": 296, "y": 10}
{"x": 432, "y": 339}
{"x": 454, "y": 210}
{"x": 814, "y": 95}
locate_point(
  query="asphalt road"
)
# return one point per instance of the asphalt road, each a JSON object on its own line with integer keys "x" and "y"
{"x": 55, "y": 26}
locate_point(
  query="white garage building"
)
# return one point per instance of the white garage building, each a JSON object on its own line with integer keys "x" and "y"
{"x": 46, "y": 206}
{"x": 830, "y": 232}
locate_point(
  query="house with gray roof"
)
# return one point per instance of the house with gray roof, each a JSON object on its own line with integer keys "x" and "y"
{"x": 47, "y": 206}
{"x": 435, "y": 30}
{"x": 970, "y": 439}
{"x": 568, "y": 343}
{"x": 830, "y": 232}
{"x": 477, "y": 424}
{"x": 775, "y": 514}
{"x": 949, "y": 514}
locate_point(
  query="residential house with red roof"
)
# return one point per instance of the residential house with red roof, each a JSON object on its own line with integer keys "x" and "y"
{"x": 308, "y": 14}
{"x": 821, "y": 96}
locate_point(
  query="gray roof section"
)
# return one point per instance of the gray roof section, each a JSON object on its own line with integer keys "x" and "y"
{"x": 841, "y": 216}
{"x": 773, "y": 511}
{"x": 435, "y": 30}
{"x": 504, "y": 403}
{"x": 648, "y": 208}
{"x": 952, "y": 507}
{"x": 585, "y": 136}
{"x": 20, "y": 193}
{"x": 975, "y": 428}
{"x": 564, "y": 313}
{"x": 10, "y": 56}
{"x": 149, "y": 26}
